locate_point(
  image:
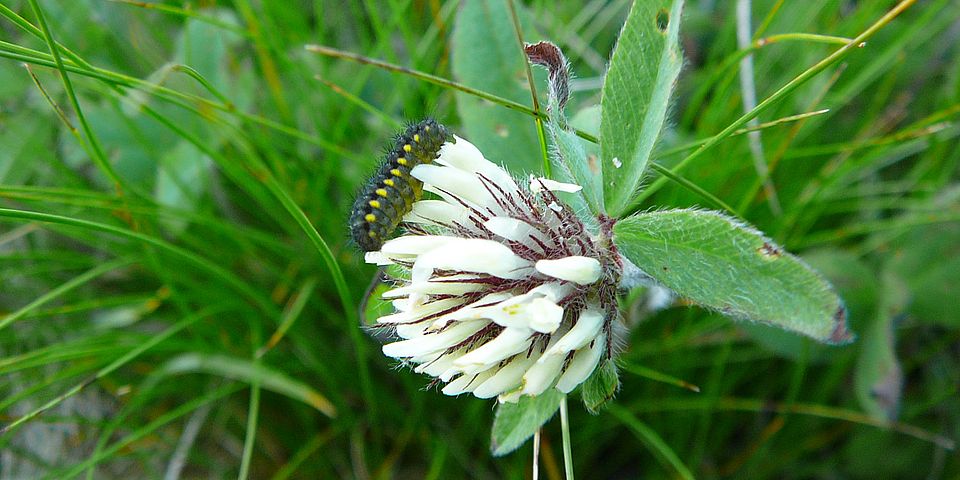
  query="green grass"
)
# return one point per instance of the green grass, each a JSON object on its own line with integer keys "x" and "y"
{"x": 179, "y": 293}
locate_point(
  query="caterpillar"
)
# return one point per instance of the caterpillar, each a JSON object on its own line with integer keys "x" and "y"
{"x": 391, "y": 191}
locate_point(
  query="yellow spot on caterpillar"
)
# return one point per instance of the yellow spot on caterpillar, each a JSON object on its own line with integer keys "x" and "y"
{"x": 402, "y": 161}
{"x": 372, "y": 234}
{"x": 427, "y": 128}
{"x": 382, "y": 192}
{"x": 370, "y": 218}
{"x": 374, "y": 204}
{"x": 416, "y": 138}
{"x": 388, "y": 182}
{"x": 407, "y": 148}
{"x": 396, "y": 172}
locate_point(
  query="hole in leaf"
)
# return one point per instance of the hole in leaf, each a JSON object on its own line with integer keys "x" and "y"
{"x": 663, "y": 20}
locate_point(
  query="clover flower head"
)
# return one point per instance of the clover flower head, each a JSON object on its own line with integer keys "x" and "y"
{"x": 503, "y": 291}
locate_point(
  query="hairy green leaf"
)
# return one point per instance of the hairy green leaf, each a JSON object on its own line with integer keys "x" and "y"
{"x": 516, "y": 422}
{"x": 728, "y": 266}
{"x": 600, "y": 387}
{"x": 857, "y": 285}
{"x": 636, "y": 94}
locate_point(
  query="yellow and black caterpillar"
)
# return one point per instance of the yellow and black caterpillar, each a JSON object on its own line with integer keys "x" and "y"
{"x": 391, "y": 191}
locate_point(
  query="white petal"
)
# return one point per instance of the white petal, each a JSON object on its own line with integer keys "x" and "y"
{"x": 516, "y": 230}
{"x": 545, "y": 316}
{"x": 413, "y": 245}
{"x": 435, "y": 212}
{"x": 471, "y": 311}
{"x": 582, "y": 365}
{"x": 465, "y": 156}
{"x": 542, "y": 374}
{"x": 435, "y": 367}
{"x": 509, "y": 342}
{"x": 426, "y": 344}
{"x": 582, "y": 270}
{"x": 377, "y": 258}
{"x": 537, "y": 185}
{"x": 506, "y": 378}
{"x": 421, "y": 360}
{"x": 466, "y": 383}
{"x": 583, "y": 332}
{"x": 465, "y": 185}
{"x": 528, "y": 311}
{"x": 407, "y": 331}
{"x": 472, "y": 255}
{"x": 555, "y": 291}
{"x": 421, "y": 311}
{"x": 434, "y": 288}
{"x": 536, "y": 309}
{"x": 401, "y": 304}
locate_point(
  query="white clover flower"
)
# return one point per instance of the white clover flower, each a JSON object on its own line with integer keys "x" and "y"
{"x": 504, "y": 292}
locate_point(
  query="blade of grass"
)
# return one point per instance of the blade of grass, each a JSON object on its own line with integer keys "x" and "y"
{"x": 305, "y": 452}
{"x": 360, "y": 103}
{"x": 839, "y": 54}
{"x": 748, "y": 93}
{"x": 185, "y": 13}
{"x": 210, "y": 267}
{"x": 253, "y": 406}
{"x": 113, "y": 366}
{"x": 654, "y": 375}
{"x": 807, "y": 409}
{"x": 698, "y": 143}
{"x": 95, "y": 149}
{"x": 15, "y": 52}
{"x": 250, "y": 372}
{"x": 142, "y": 432}
{"x": 667, "y": 457}
{"x": 64, "y": 288}
{"x": 541, "y": 134}
{"x": 290, "y": 315}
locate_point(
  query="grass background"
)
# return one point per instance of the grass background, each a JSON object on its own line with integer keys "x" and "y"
{"x": 171, "y": 215}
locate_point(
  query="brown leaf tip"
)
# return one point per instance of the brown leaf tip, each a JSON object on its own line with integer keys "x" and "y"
{"x": 840, "y": 334}
{"x": 548, "y": 55}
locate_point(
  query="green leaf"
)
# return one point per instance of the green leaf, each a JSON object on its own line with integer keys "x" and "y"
{"x": 514, "y": 423}
{"x": 728, "y": 266}
{"x": 183, "y": 175}
{"x": 600, "y": 387}
{"x": 636, "y": 93}
{"x": 572, "y": 164}
{"x": 878, "y": 381}
{"x": 857, "y": 285}
{"x": 487, "y": 56}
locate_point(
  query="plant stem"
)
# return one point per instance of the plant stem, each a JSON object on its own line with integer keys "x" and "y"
{"x": 565, "y": 429}
{"x": 536, "y": 455}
